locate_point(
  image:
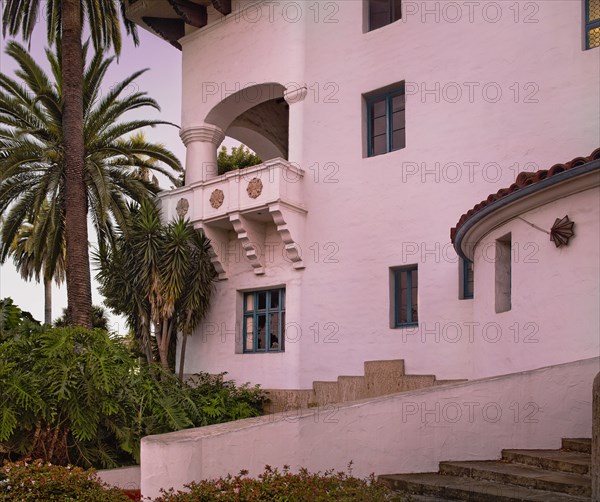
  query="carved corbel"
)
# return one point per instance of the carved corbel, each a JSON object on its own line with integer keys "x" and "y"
{"x": 252, "y": 240}
{"x": 290, "y": 225}
{"x": 218, "y": 246}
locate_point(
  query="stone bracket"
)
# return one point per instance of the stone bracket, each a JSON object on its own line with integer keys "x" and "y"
{"x": 252, "y": 239}
{"x": 218, "y": 244}
{"x": 290, "y": 226}
{"x": 192, "y": 13}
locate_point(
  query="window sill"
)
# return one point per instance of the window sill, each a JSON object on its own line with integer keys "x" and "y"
{"x": 406, "y": 325}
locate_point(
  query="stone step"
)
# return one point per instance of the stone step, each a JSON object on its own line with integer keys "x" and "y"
{"x": 415, "y": 382}
{"x": 473, "y": 490}
{"x": 582, "y": 445}
{"x": 326, "y": 392}
{"x": 286, "y": 400}
{"x": 384, "y": 368}
{"x": 381, "y": 378}
{"x": 554, "y": 460}
{"x": 351, "y": 388}
{"x": 521, "y": 475}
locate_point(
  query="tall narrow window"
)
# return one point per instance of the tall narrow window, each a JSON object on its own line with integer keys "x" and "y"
{"x": 467, "y": 279}
{"x": 386, "y": 121}
{"x": 592, "y": 24}
{"x": 264, "y": 321}
{"x": 503, "y": 274}
{"x": 406, "y": 289}
{"x": 383, "y": 12}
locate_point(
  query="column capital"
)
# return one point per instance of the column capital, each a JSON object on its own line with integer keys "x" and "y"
{"x": 295, "y": 93}
{"x": 205, "y": 133}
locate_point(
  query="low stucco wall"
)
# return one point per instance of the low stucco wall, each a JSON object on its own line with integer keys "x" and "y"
{"x": 127, "y": 478}
{"x": 408, "y": 432}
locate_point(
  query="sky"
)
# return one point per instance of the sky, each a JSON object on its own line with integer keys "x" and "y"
{"x": 163, "y": 83}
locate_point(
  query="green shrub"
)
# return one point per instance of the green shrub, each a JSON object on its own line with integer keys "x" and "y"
{"x": 74, "y": 396}
{"x": 239, "y": 158}
{"x": 283, "y": 486}
{"x": 41, "y": 481}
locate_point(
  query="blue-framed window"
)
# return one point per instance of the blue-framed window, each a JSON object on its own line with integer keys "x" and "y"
{"x": 383, "y": 12}
{"x": 592, "y": 24}
{"x": 406, "y": 289}
{"x": 386, "y": 121}
{"x": 264, "y": 320}
{"x": 468, "y": 279}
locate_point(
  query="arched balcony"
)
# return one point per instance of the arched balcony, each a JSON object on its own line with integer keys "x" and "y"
{"x": 245, "y": 201}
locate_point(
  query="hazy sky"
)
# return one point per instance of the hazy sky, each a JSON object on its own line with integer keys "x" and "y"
{"x": 163, "y": 83}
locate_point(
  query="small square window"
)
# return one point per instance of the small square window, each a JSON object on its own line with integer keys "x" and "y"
{"x": 264, "y": 321}
{"x": 383, "y": 12}
{"x": 592, "y": 24}
{"x": 386, "y": 121}
{"x": 405, "y": 296}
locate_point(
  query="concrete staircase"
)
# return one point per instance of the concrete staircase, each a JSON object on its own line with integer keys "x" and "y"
{"x": 532, "y": 475}
{"x": 380, "y": 378}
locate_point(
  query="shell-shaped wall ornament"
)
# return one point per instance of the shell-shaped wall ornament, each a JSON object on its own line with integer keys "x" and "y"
{"x": 562, "y": 231}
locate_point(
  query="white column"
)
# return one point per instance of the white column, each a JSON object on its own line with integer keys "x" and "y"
{"x": 293, "y": 95}
{"x": 201, "y": 143}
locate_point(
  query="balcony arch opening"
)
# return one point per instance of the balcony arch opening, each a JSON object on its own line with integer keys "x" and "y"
{"x": 258, "y": 117}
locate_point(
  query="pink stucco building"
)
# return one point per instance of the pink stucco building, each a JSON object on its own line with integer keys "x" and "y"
{"x": 380, "y": 123}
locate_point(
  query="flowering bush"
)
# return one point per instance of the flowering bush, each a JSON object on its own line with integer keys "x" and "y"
{"x": 279, "y": 486}
{"x": 37, "y": 481}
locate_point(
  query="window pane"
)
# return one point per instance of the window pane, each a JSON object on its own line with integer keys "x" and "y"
{"x": 262, "y": 332}
{"x": 378, "y": 126}
{"x": 378, "y": 108}
{"x": 414, "y": 296}
{"x": 249, "y": 334}
{"x": 379, "y": 145}
{"x": 282, "y": 341}
{"x": 249, "y": 302}
{"x": 594, "y": 38}
{"x": 399, "y": 139}
{"x": 398, "y": 102}
{"x": 593, "y": 10}
{"x": 274, "y": 299}
{"x": 397, "y": 10}
{"x": 398, "y": 120}
{"x": 274, "y": 331}
{"x": 470, "y": 279}
{"x": 379, "y": 13}
{"x": 402, "y": 297}
{"x": 262, "y": 300}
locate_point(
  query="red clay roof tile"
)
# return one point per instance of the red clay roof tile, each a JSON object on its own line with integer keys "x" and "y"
{"x": 524, "y": 179}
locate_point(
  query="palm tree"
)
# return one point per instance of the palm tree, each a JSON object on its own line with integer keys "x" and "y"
{"x": 159, "y": 276}
{"x": 65, "y": 20}
{"x": 99, "y": 319}
{"x": 33, "y": 170}
{"x": 33, "y": 260}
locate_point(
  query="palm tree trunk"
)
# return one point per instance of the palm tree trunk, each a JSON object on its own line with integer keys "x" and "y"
{"x": 47, "y": 301}
{"x": 182, "y": 355}
{"x": 184, "y": 335}
{"x": 163, "y": 346}
{"x": 79, "y": 289}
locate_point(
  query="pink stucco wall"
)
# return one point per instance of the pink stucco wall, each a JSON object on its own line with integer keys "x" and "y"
{"x": 366, "y": 215}
{"x": 408, "y": 432}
